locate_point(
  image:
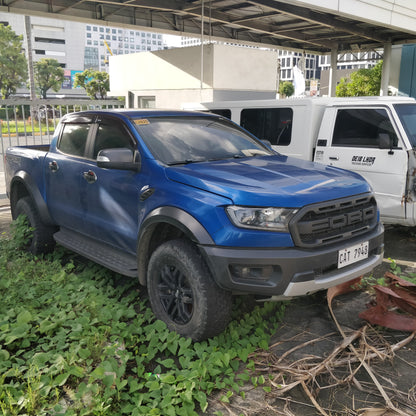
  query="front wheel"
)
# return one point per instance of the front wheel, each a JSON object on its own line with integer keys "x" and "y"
{"x": 183, "y": 293}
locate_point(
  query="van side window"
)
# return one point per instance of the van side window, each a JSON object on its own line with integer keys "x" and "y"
{"x": 222, "y": 112}
{"x": 111, "y": 136}
{"x": 362, "y": 127}
{"x": 73, "y": 139}
{"x": 272, "y": 124}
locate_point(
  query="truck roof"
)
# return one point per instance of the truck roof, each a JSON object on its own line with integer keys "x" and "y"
{"x": 85, "y": 116}
{"x": 306, "y": 101}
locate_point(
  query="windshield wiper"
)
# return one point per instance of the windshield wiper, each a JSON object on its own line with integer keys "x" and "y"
{"x": 186, "y": 161}
{"x": 236, "y": 156}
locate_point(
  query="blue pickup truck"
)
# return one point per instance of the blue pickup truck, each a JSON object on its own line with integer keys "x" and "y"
{"x": 196, "y": 208}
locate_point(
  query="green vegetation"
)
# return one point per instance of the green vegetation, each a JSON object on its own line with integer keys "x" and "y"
{"x": 77, "y": 339}
{"x": 13, "y": 64}
{"x": 48, "y": 75}
{"x": 11, "y": 128}
{"x": 95, "y": 83}
{"x": 364, "y": 82}
{"x": 286, "y": 89}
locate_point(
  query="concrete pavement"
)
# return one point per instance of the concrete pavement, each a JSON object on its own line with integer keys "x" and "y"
{"x": 3, "y": 197}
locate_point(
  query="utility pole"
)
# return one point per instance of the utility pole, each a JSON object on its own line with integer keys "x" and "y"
{"x": 28, "y": 30}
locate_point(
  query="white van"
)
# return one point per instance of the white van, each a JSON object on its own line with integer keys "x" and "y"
{"x": 374, "y": 136}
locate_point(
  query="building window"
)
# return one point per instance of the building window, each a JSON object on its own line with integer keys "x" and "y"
{"x": 50, "y": 40}
{"x": 146, "y": 102}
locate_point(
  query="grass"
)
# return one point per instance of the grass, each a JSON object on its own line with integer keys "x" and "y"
{"x": 11, "y": 128}
{"x": 77, "y": 339}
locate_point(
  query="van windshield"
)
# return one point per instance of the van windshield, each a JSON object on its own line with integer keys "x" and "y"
{"x": 181, "y": 140}
{"x": 407, "y": 115}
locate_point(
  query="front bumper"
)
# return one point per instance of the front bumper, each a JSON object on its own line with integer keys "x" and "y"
{"x": 288, "y": 272}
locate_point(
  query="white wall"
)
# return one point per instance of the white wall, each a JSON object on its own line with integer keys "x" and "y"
{"x": 244, "y": 68}
{"x": 226, "y": 67}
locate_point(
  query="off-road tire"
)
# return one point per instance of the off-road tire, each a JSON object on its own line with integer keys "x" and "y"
{"x": 41, "y": 240}
{"x": 183, "y": 293}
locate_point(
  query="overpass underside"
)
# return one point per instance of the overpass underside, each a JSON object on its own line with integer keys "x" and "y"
{"x": 353, "y": 25}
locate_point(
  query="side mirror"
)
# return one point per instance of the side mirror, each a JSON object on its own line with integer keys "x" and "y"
{"x": 385, "y": 141}
{"x": 120, "y": 158}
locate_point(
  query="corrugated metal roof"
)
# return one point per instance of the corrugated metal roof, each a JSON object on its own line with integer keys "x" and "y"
{"x": 279, "y": 24}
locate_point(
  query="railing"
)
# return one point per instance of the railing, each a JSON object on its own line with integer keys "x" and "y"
{"x": 26, "y": 122}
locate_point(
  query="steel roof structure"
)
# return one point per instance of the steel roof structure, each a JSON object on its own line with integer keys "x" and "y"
{"x": 294, "y": 25}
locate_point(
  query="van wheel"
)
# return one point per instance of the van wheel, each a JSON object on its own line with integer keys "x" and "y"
{"x": 183, "y": 293}
{"x": 40, "y": 238}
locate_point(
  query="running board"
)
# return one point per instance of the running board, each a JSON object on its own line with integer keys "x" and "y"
{"x": 98, "y": 252}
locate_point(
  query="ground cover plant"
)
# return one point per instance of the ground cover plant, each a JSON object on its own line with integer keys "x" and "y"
{"x": 77, "y": 339}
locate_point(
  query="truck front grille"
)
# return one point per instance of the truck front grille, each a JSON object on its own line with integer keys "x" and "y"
{"x": 332, "y": 221}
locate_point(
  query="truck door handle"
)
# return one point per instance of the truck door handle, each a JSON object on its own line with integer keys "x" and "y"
{"x": 53, "y": 166}
{"x": 90, "y": 176}
{"x": 333, "y": 158}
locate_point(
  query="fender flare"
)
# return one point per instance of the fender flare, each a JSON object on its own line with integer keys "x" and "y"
{"x": 26, "y": 180}
{"x": 176, "y": 217}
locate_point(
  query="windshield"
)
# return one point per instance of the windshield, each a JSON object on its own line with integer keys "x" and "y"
{"x": 407, "y": 115}
{"x": 178, "y": 140}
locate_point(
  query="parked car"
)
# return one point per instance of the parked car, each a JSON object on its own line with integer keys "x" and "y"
{"x": 196, "y": 208}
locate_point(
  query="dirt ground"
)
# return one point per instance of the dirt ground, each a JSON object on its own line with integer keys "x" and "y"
{"x": 311, "y": 370}
{"x": 308, "y": 346}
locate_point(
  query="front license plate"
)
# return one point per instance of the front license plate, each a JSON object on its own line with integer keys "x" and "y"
{"x": 352, "y": 254}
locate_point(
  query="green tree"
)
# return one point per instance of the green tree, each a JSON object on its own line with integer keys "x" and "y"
{"x": 95, "y": 83}
{"x": 13, "y": 64}
{"x": 286, "y": 89}
{"x": 48, "y": 75}
{"x": 365, "y": 81}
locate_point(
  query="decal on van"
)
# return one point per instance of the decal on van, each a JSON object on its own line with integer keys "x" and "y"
{"x": 363, "y": 160}
{"x": 319, "y": 155}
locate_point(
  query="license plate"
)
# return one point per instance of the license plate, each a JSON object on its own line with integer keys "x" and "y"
{"x": 352, "y": 254}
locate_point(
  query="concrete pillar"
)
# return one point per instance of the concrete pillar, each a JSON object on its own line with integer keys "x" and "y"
{"x": 385, "y": 74}
{"x": 332, "y": 73}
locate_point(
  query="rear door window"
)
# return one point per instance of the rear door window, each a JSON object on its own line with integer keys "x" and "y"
{"x": 73, "y": 140}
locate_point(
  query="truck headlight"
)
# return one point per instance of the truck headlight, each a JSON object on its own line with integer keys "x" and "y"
{"x": 273, "y": 219}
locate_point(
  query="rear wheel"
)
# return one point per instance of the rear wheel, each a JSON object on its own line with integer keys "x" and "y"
{"x": 40, "y": 238}
{"x": 183, "y": 293}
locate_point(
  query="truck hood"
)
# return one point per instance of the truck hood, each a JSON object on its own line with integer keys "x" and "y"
{"x": 270, "y": 180}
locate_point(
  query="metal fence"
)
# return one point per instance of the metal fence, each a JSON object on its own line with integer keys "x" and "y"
{"x": 26, "y": 122}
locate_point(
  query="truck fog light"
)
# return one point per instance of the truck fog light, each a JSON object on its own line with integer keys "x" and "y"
{"x": 252, "y": 272}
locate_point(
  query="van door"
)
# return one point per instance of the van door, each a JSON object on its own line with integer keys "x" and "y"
{"x": 365, "y": 140}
